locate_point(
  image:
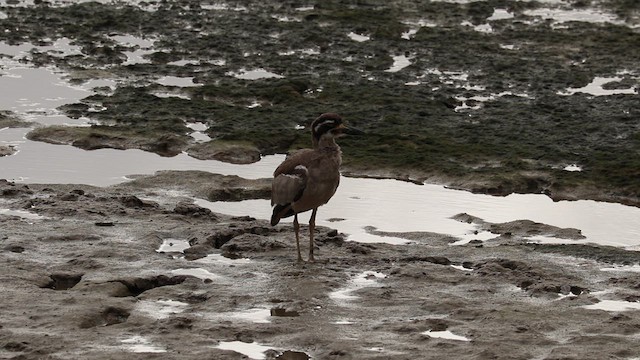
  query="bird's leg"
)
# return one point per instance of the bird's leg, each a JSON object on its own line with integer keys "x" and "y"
{"x": 312, "y": 227}
{"x": 296, "y": 228}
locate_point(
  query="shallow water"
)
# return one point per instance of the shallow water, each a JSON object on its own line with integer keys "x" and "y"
{"x": 614, "y": 305}
{"x": 396, "y": 206}
{"x": 254, "y": 74}
{"x": 399, "y": 62}
{"x": 595, "y": 88}
{"x": 250, "y": 350}
{"x": 173, "y": 245}
{"x": 140, "y": 344}
{"x": 254, "y": 315}
{"x": 445, "y": 335}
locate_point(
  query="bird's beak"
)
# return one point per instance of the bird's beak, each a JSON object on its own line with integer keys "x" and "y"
{"x": 350, "y": 130}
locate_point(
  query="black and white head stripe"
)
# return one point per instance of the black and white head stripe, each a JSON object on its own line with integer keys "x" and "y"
{"x": 325, "y": 123}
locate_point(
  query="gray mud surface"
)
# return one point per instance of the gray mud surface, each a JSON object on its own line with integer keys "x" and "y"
{"x": 81, "y": 274}
{"x": 85, "y": 280}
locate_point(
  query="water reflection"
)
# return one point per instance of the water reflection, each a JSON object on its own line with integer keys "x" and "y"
{"x": 396, "y": 206}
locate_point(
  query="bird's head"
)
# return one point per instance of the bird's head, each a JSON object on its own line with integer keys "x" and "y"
{"x": 331, "y": 125}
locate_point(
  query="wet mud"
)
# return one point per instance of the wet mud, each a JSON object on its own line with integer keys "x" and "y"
{"x": 139, "y": 269}
{"x": 486, "y": 96}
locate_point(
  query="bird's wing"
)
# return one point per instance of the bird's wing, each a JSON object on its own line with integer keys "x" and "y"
{"x": 289, "y": 180}
{"x": 288, "y": 187}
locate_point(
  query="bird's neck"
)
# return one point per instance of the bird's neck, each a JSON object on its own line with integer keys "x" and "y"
{"x": 325, "y": 143}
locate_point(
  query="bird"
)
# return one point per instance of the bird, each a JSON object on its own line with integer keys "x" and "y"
{"x": 308, "y": 178}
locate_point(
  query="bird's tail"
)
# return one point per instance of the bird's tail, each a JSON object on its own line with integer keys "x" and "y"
{"x": 279, "y": 212}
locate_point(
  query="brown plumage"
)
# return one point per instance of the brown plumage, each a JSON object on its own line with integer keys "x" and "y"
{"x": 308, "y": 178}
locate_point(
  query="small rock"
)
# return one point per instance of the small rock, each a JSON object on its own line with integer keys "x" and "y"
{"x": 14, "y": 248}
{"x": 190, "y": 209}
{"x": 69, "y": 197}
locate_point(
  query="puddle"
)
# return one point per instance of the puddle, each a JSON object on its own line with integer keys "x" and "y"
{"x": 136, "y": 56}
{"x": 140, "y": 344}
{"x": 622, "y": 268}
{"x": 23, "y": 214}
{"x": 184, "y": 62}
{"x": 103, "y": 167}
{"x": 173, "y": 246}
{"x": 221, "y": 6}
{"x": 177, "y": 81}
{"x": 254, "y": 74}
{"x": 285, "y": 18}
{"x": 582, "y": 15}
{"x": 160, "y": 309}
{"x": 357, "y": 37}
{"x": 162, "y": 94}
{"x": 407, "y": 35}
{"x": 461, "y": 268}
{"x": 198, "y": 133}
{"x": 445, "y": 335}
{"x": 479, "y": 99}
{"x": 344, "y": 322}
{"x": 197, "y": 273}
{"x": 613, "y": 305}
{"x": 251, "y": 350}
{"x": 305, "y": 8}
{"x": 474, "y": 235}
{"x": 130, "y": 40}
{"x": 458, "y": 78}
{"x": 410, "y": 207}
{"x": 197, "y": 126}
{"x": 399, "y": 62}
{"x": 37, "y": 92}
{"x": 60, "y": 48}
{"x": 572, "y": 167}
{"x": 483, "y": 28}
{"x": 253, "y": 315}
{"x": 414, "y": 27}
{"x": 363, "y": 280}
{"x": 219, "y": 259}
{"x": 310, "y": 51}
{"x": 595, "y": 88}
{"x": 500, "y": 14}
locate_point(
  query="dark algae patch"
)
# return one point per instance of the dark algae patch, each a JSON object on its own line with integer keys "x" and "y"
{"x": 483, "y": 111}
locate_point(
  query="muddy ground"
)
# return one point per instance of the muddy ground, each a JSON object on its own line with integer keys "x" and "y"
{"x": 86, "y": 279}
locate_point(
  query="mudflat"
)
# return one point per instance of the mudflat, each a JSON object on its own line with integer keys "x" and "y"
{"x": 488, "y": 96}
